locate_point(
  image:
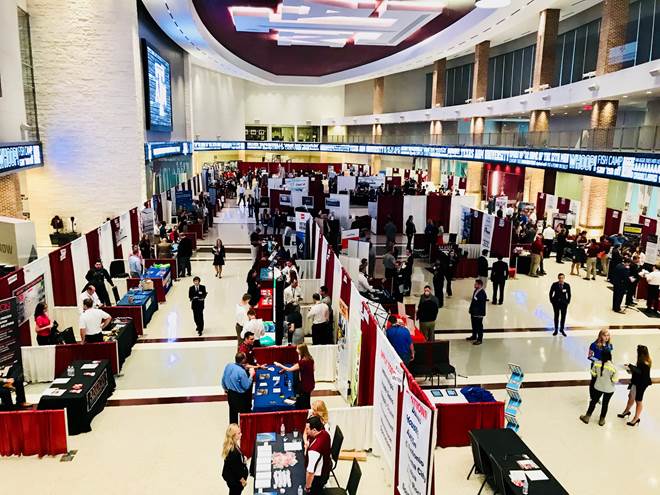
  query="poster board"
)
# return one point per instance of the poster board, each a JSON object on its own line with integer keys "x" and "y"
{"x": 27, "y": 298}
{"x": 487, "y": 228}
{"x": 148, "y": 220}
{"x": 10, "y": 350}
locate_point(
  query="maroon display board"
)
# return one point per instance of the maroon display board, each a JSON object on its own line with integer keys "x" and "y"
{"x": 612, "y": 221}
{"x": 389, "y": 206}
{"x": 10, "y": 350}
{"x": 438, "y": 209}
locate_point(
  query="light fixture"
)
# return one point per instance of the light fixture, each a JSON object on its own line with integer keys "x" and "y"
{"x": 545, "y": 97}
{"x": 655, "y": 72}
{"x": 593, "y": 87}
{"x": 625, "y": 96}
{"x": 492, "y": 4}
{"x": 649, "y": 92}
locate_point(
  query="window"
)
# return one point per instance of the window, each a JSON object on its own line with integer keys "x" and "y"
{"x": 643, "y": 33}
{"x": 458, "y": 84}
{"x": 510, "y": 74}
{"x": 576, "y": 53}
{"x": 32, "y": 132}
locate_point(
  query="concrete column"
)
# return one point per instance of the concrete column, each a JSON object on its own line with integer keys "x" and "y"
{"x": 603, "y": 120}
{"x": 474, "y": 176}
{"x": 435, "y": 171}
{"x": 480, "y": 73}
{"x": 379, "y": 95}
{"x": 435, "y": 132}
{"x": 376, "y": 133}
{"x": 438, "y": 91}
{"x": 546, "y": 39}
{"x": 613, "y": 24}
{"x": 477, "y": 126}
{"x": 10, "y": 196}
{"x": 91, "y": 114}
{"x": 533, "y": 183}
{"x": 539, "y": 127}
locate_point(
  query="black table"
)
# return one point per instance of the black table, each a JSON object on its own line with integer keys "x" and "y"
{"x": 297, "y": 471}
{"x": 122, "y": 330}
{"x": 506, "y": 448}
{"x": 97, "y": 386}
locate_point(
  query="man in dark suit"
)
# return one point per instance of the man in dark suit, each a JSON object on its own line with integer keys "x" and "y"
{"x": 499, "y": 273}
{"x": 477, "y": 312}
{"x": 482, "y": 268}
{"x": 560, "y": 298}
{"x": 183, "y": 255}
{"x": 620, "y": 279}
{"x": 197, "y": 294}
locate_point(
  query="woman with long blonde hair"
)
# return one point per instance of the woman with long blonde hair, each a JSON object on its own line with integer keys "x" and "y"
{"x": 234, "y": 471}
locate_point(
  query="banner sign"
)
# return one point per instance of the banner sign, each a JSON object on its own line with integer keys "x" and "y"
{"x": 466, "y": 223}
{"x": 27, "y": 298}
{"x": 300, "y": 184}
{"x": 501, "y": 203}
{"x": 183, "y": 199}
{"x": 372, "y": 182}
{"x": 487, "y": 227}
{"x": 148, "y": 221}
{"x": 415, "y": 445}
{"x": 301, "y": 229}
{"x": 10, "y": 348}
{"x": 651, "y": 249}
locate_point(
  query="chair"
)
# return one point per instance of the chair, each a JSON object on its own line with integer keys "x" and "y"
{"x": 432, "y": 360}
{"x": 498, "y": 477}
{"x": 118, "y": 269}
{"x": 337, "y": 442}
{"x": 351, "y": 486}
{"x": 440, "y": 359}
{"x": 478, "y": 466}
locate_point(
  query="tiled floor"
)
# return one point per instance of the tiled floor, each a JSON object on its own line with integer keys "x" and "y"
{"x": 175, "y": 448}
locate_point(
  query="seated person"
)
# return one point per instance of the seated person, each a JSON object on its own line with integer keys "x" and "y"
{"x": 401, "y": 340}
{"x": 13, "y": 381}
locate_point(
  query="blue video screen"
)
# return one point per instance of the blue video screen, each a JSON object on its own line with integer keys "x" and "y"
{"x": 158, "y": 91}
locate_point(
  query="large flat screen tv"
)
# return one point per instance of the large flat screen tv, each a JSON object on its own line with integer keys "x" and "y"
{"x": 157, "y": 89}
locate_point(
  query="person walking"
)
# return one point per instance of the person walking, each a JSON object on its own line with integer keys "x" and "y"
{"x": 390, "y": 232}
{"x": 427, "y": 313}
{"x": 237, "y": 384}
{"x": 620, "y": 281}
{"x": 579, "y": 256}
{"x": 411, "y": 230}
{"x": 241, "y": 195}
{"x": 305, "y": 382}
{"x": 482, "y": 268}
{"x": 560, "y": 298}
{"x": 197, "y": 294}
{"x": 606, "y": 377}
{"x": 218, "y": 257}
{"x": 499, "y": 273}
{"x": 537, "y": 252}
{"x": 639, "y": 382}
{"x": 477, "y": 313}
{"x": 389, "y": 264}
{"x": 234, "y": 470}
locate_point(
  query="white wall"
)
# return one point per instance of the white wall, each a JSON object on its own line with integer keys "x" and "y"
{"x": 218, "y": 105}
{"x": 91, "y": 118}
{"x": 406, "y": 90}
{"x": 359, "y": 98}
{"x": 291, "y": 105}
{"x": 12, "y": 106}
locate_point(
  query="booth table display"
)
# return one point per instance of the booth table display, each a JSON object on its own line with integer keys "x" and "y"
{"x": 504, "y": 447}
{"x": 264, "y": 307}
{"x": 33, "y": 433}
{"x": 278, "y": 465}
{"x": 96, "y": 384}
{"x": 144, "y": 298}
{"x": 273, "y": 391}
{"x": 457, "y": 416}
{"x": 279, "y": 353}
{"x": 253, "y": 423}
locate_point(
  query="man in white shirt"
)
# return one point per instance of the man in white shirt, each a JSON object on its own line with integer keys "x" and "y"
{"x": 288, "y": 270}
{"x": 362, "y": 285}
{"x": 548, "y": 238}
{"x": 88, "y": 293}
{"x": 653, "y": 288}
{"x": 292, "y": 294}
{"x": 241, "y": 315}
{"x": 319, "y": 314}
{"x": 253, "y": 325}
{"x": 92, "y": 322}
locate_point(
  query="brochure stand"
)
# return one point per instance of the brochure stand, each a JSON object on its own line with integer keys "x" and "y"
{"x": 513, "y": 389}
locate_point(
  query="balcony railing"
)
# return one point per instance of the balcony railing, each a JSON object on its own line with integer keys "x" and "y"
{"x": 633, "y": 139}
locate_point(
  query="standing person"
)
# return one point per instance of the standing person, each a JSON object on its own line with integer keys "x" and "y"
{"x": 653, "y": 288}
{"x": 135, "y": 267}
{"x": 254, "y": 287}
{"x": 390, "y": 232}
{"x": 477, "y": 313}
{"x": 241, "y": 315}
{"x": 427, "y": 313}
{"x": 499, "y": 273}
{"x": 292, "y": 294}
{"x": 633, "y": 279}
{"x": 482, "y": 268}
{"x": 439, "y": 270}
{"x": 602, "y": 343}
{"x": 237, "y": 384}
{"x": 145, "y": 247}
{"x": 325, "y": 298}
{"x": 319, "y": 315}
{"x": 548, "y": 239}
{"x": 197, "y": 294}
{"x": 183, "y": 255}
{"x": 294, "y": 324}
{"x": 560, "y": 298}
{"x": 89, "y": 292}
{"x": 92, "y": 321}
{"x": 218, "y": 257}
{"x": 537, "y": 253}
{"x": 411, "y": 230}
{"x": 389, "y": 263}
{"x": 640, "y": 380}
{"x": 431, "y": 234}
{"x": 592, "y": 258}
{"x": 620, "y": 283}
{"x": 253, "y": 326}
{"x": 234, "y": 469}
{"x": 318, "y": 458}
{"x": 305, "y": 383}
{"x": 579, "y": 256}
{"x": 97, "y": 277}
{"x": 606, "y": 377}
{"x": 241, "y": 195}
{"x": 560, "y": 244}
{"x": 453, "y": 260}
{"x": 401, "y": 340}
{"x": 255, "y": 244}
{"x": 42, "y": 324}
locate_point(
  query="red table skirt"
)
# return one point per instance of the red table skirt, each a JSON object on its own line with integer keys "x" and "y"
{"x": 134, "y": 312}
{"x": 198, "y": 229}
{"x": 33, "y": 433}
{"x": 456, "y": 420}
{"x": 466, "y": 268}
{"x": 66, "y": 354}
{"x": 279, "y": 353}
{"x": 253, "y": 423}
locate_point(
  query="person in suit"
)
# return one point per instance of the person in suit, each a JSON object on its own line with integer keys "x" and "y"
{"x": 482, "y": 268}
{"x": 499, "y": 273}
{"x": 633, "y": 277}
{"x": 183, "y": 255}
{"x": 620, "y": 280}
{"x": 560, "y": 298}
{"x": 197, "y": 294}
{"x": 477, "y": 313}
{"x": 234, "y": 470}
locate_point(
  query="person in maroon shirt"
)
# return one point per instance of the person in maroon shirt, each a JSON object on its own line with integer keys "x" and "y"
{"x": 247, "y": 348}
{"x": 306, "y": 382}
{"x": 537, "y": 255}
{"x": 317, "y": 457}
{"x": 592, "y": 257}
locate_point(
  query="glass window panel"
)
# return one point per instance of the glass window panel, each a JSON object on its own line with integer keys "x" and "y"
{"x": 506, "y": 83}
{"x": 645, "y": 31}
{"x": 528, "y": 67}
{"x": 578, "y": 58}
{"x": 591, "y": 51}
{"x": 429, "y": 90}
{"x": 491, "y": 79}
{"x": 516, "y": 74}
{"x": 655, "y": 52}
{"x": 559, "y": 50}
{"x": 567, "y": 58}
{"x": 631, "y": 29}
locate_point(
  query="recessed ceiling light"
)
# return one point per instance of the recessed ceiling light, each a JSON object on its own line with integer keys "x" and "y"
{"x": 649, "y": 92}
{"x": 565, "y": 113}
{"x": 625, "y": 96}
{"x": 492, "y": 4}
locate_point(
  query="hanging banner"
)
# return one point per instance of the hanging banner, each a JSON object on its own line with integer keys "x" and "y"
{"x": 343, "y": 330}
{"x": 10, "y": 349}
{"x": 501, "y": 203}
{"x": 466, "y": 224}
{"x": 183, "y": 199}
{"x": 651, "y": 249}
{"x": 300, "y": 184}
{"x": 27, "y": 298}
{"x": 487, "y": 227}
{"x": 302, "y": 217}
{"x": 148, "y": 221}
{"x": 415, "y": 445}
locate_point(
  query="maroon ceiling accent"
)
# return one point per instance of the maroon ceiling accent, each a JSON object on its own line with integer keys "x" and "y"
{"x": 260, "y": 51}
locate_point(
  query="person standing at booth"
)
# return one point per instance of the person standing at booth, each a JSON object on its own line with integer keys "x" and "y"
{"x": 92, "y": 321}
{"x": 482, "y": 268}
{"x": 318, "y": 458}
{"x": 305, "y": 383}
{"x": 499, "y": 273}
{"x": 427, "y": 313}
{"x": 235, "y": 470}
{"x": 560, "y": 298}
{"x": 43, "y": 324}
{"x": 319, "y": 314}
{"x": 653, "y": 288}
{"x": 411, "y": 230}
{"x": 135, "y": 267}
{"x": 97, "y": 277}
{"x": 477, "y": 313}
{"x": 237, "y": 384}
{"x": 197, "y": 294}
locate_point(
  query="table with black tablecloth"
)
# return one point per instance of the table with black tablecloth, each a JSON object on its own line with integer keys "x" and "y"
{"x": 143, "y": 298}
{"x": 122, "y": 330}
{"x": 97, "y": 385}
{"x": 292, "y": 460}
{"x": 264, "y": 396}
{"x": 506, "y": 448}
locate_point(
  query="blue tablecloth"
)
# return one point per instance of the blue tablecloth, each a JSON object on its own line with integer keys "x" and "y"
{"x": 269, "y": 380}
{"x": 146, "y": 299}
{"x": 160, "y": 272}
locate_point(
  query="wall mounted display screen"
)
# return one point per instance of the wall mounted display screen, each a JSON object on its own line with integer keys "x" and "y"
{"x": 20, "y": 157}
{"x": 157, "y": 89}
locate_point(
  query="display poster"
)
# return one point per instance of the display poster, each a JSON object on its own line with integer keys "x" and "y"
{"x": 466, "y": 223}
{"x": 354, "y": 340}
{"x": 551, "y": 202}
{"x": 415, "y": 455}
{"x": 148, "y": 221}
{"x": 302, "y": 217}
{"x": 27, "y": 298}
{"x": 651, "y": 249}
{"x": 487, "y": 228}
{"x": 343, "y": 330}
{"x": 372, "y": 181}
{"x": 10, "y": 348}
{"x": 213, "y": 195}
{"x": 388, "y": 376}
{"x": 346, "y": 235}
{"x": 300, "y": 184}
{"x": 183, "y": 199}
{"x": 285, "y": 199}
{"x": 501, "y": 203}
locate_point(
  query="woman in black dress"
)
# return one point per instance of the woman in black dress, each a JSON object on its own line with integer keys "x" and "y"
{"x": 234, "y": 471}
{"x": 218, "y": 257}
{"x": 639, "y": 381}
